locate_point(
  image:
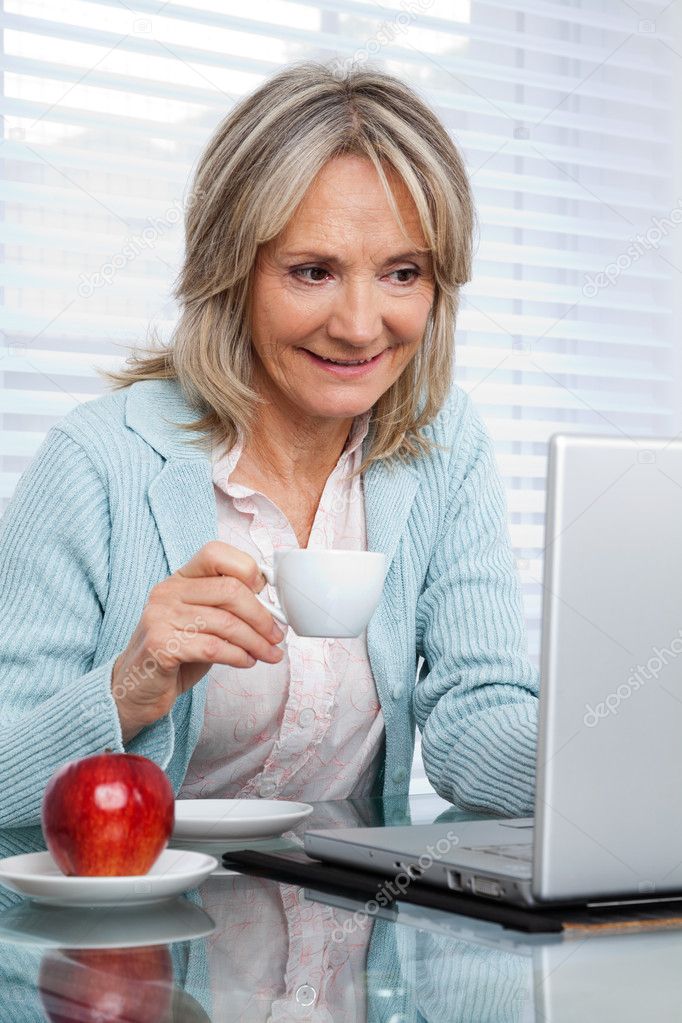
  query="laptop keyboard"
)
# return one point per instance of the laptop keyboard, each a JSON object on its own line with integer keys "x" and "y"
{"x": 522, "y": 851}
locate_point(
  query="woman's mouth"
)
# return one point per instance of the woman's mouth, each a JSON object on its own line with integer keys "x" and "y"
{"x": 345, "y": 369}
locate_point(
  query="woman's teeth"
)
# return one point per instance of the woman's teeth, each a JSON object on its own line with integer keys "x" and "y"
{"x": 337, "y": 362}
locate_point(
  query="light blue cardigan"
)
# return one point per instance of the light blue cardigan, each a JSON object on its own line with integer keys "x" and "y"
{"x": 115, "y": 500}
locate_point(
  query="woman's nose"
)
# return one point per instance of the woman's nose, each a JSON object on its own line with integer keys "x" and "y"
{"x": 356, "y": 314}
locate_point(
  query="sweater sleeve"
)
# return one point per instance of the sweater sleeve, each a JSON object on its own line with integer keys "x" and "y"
{"x": 476, "y": 700}
{"x": 56, "y": 704}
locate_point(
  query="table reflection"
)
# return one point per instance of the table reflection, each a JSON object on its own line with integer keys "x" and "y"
{"x": 249, "y": 949}
{"x": 280, "y": 956}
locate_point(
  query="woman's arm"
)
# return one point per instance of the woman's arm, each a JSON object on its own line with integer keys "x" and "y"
{"x": 54, "y": 571}
{"x": 476, "y": 703}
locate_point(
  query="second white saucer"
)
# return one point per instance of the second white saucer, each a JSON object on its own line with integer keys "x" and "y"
{"x": 212, "y": 819}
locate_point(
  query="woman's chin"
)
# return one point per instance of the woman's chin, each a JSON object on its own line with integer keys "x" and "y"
{"x": 336, "y": 410}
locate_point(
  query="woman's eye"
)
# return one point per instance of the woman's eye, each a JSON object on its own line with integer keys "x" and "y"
{"x": 412, "y": 271}
{"x": 300, "y": 271}
{"x": 408, "y": 274}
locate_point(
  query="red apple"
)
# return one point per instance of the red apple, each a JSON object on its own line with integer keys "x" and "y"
{"x": 115, "y": 985}
{"x": 111, "y": 813}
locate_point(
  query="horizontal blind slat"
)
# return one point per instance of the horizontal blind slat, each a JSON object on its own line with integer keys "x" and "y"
{"x": 460, "y": 29}
{"x": 460, "y": 66}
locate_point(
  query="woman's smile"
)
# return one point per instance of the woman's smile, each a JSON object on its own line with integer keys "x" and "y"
{"x": 345, "y": 369}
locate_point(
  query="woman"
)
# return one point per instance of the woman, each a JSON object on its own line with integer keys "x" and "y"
{"x": 331, "y": 219}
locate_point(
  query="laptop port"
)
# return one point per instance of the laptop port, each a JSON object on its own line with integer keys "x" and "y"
{"x": 455, "y": 880}
{"x": 486, "y": 886}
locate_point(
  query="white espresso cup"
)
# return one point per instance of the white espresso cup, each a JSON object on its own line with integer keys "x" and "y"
{"x": 325, "y": 593}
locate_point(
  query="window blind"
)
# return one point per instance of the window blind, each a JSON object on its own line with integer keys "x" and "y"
{"x": 563, "y": 111}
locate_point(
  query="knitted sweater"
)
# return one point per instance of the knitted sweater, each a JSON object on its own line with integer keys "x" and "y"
{"x": 115, "y": 500}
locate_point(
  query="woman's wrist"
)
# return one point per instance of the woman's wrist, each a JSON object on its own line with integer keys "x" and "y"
{"x": 127, "y": 716}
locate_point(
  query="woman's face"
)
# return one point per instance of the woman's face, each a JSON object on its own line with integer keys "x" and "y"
{"x": 340, "y": 282}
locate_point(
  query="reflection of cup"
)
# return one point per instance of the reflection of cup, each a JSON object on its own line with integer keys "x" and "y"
{"x": 325, "y": 593}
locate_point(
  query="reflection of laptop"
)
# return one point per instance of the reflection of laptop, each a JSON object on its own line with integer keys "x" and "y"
{"x": 626, "y": 975}
{"x": 609, "y": 774}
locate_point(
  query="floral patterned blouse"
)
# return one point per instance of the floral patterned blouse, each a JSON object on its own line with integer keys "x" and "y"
{"x": 309, "y": 727}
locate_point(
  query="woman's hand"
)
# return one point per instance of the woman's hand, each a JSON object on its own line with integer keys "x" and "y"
{"x": 205, "y": 613}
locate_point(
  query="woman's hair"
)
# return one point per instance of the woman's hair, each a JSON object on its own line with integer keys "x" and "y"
{"x": 252, "y": 175}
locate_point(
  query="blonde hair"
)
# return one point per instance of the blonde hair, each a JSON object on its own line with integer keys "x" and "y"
{"x": 251, "y": 177}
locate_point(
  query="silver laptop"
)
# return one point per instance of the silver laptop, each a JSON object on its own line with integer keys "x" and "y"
{"x": 608, "y": 808}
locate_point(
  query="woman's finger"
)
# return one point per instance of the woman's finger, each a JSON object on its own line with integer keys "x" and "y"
{"x": 229, "y": 627}
{"x": 217, "y": 558}
{"x": 232, "y": 594}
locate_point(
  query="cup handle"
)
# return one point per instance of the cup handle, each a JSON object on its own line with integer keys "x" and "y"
{"x": 274, "y": 611}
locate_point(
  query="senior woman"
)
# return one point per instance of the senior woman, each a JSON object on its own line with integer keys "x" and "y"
{"x": 330, "y": 222}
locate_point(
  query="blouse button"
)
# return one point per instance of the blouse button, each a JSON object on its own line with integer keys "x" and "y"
{"x": 399, "y": 775}
{"x": 397, "y": 692}
{"x": 306, "y": 994}
{"x": 267, "y": 787}
{"x": 337, "y": 956}
{"x": 306, "y": 717}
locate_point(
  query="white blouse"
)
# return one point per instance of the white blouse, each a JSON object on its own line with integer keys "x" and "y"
{"x": 309, "y": 727}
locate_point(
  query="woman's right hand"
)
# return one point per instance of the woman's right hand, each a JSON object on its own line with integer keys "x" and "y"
{"x": 205, "y": 613}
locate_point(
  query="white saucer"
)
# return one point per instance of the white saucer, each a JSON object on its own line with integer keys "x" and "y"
{"x": 38, "y": 876}
{"x": 213, "y": 819}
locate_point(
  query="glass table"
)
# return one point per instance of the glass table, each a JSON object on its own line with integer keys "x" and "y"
{"x": 242, "y": 948}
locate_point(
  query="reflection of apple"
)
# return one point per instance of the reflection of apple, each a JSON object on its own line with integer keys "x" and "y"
{"x": 116, "y": 985}
{"x": 111, "y": 813}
